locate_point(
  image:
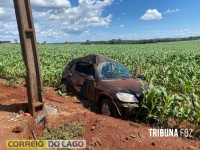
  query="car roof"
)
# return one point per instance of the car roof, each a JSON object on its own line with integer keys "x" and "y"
{"x": 92, "y": 59}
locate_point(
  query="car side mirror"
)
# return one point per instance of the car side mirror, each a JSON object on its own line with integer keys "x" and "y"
{"x": 90, "y": 77}
{"x": 141, "y": 76}
{"x": 138, "y": 70}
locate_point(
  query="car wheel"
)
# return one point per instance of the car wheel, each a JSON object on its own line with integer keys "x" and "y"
{"x": 108, "y": 108}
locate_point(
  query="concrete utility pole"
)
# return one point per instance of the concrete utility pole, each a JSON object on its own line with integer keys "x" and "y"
{"x": 30, "y": 54}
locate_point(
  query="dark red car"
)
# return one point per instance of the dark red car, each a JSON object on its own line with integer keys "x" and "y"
{"x": 105, "y": 82}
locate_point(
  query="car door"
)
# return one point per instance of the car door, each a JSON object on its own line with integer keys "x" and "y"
{"x": 80, "y": 73}
{"x": 89, "y": 88}
{"x": 83, "y": 79}
{"x": 78, "y": 76}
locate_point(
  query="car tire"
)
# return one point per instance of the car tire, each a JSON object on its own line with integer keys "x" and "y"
{"x": 108, "y": 108}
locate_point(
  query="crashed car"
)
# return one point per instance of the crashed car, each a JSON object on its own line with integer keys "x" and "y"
{"x": 105, "y": 82}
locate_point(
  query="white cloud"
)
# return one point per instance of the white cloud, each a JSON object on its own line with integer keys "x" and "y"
{"x": 8, "y": 30}
{"x": 122, "y": 26}
{"x": 50, "y": 3}
{"x": 52, "y": 32}
{"x": 38, "y": 15}
{"x": 7, "y": 14}
{"x": 8, "y": 25}
{"x": 170, "y": 11}
{"x": 57, "y": 19}
{"x": 80, "y": 18}
{"x": 2, "y": 12}
{"x": 151, "y": 14}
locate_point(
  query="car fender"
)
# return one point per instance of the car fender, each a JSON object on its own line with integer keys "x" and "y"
{"x": 116, "y": 107}
{"x": 107, "y": 95}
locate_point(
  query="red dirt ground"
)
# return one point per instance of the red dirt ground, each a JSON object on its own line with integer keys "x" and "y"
{"x": 101, "y": 132}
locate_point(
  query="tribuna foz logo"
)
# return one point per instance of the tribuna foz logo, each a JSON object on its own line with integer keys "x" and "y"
{"x": 171, "y": 132}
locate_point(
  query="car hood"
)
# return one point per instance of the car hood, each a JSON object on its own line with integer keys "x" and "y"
{"x": 132, "y": 86}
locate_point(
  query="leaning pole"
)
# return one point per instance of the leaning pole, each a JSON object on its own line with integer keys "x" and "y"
{"x": 30, "y": 54}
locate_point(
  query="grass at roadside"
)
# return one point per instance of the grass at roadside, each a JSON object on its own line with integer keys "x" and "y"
{"x": 66, "y": 131}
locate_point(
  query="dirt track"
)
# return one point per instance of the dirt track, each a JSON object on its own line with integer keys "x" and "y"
{"x": 101, "y": 132}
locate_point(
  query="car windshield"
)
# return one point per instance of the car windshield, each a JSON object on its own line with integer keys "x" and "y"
{"x": 112, "y": 70}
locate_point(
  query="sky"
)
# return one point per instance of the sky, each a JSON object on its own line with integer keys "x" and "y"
{"x": 59, "y": 21}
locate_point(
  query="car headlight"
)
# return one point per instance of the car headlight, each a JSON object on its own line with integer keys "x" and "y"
{"x": 125, "y": 97}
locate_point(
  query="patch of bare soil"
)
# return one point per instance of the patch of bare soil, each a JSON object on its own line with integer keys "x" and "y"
{"x": 101, "y": 132}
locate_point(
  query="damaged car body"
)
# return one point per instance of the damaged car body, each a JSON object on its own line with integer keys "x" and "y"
{"x": 105, "y": 82}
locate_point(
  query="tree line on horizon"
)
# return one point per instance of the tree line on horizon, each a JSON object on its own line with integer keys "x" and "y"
{"x": 120, "y": 41}
{"x": 142, "y": 41}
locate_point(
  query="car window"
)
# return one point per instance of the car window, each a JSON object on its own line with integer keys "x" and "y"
{"x": 85, "y": 68}
{"x": 108, "y": 70}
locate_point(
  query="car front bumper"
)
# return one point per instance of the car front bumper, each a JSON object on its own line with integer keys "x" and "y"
{"x": 127, "y": 109}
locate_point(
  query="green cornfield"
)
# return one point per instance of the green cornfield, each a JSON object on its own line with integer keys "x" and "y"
{"x": 172, "y": 70}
